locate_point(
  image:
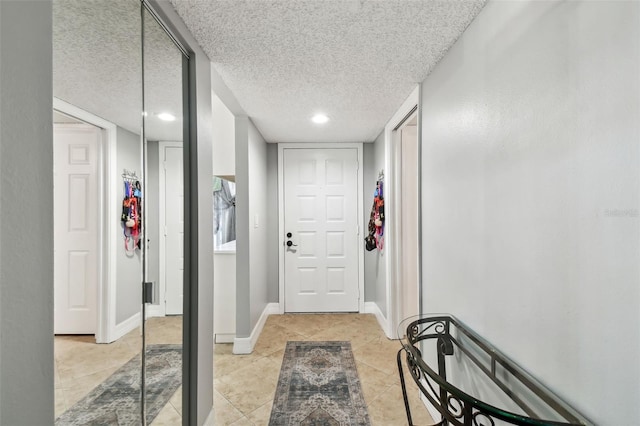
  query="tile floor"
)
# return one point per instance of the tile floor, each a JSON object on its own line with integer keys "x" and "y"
{"x": 81, "y": 364}
{"x": 245, "y": 384}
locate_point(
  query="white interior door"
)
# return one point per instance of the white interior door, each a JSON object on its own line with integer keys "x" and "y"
{"x": 409, "y": 220}
{"x": 76, "y": 197}
{"x": 172, "y": 226}
{"x": 321, "y": 214}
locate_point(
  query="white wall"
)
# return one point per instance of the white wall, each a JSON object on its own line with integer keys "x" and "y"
{"x": 251, "y": 210}
{"x": 531, "y": 178}
{"x": 128, "y": 266}
{"x": 258, "y": 217}
{"x": 223, "y": 139}
{"x": 243, "y": 234}
{"x": 26, "y": 227}
{"x": 375, "y": 265}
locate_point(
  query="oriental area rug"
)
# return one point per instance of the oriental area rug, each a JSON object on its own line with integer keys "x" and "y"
{"x": 116, "y": 401}
{"x": 318, "y": 385}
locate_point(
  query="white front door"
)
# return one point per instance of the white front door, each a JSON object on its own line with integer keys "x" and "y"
{"x": 76, "y": 196}
{"x": 172, "y": 226}
{"x": 321, "y": 216}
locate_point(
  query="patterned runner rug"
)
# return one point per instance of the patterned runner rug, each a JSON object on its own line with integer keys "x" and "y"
{"x": 318, "y": 385}
{"x": 116, "y": 401}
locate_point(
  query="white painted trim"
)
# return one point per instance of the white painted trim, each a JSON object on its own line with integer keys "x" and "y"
{"x": 109, "y": 217}
{"x": 245, "y": 345}
{"x": 126, "y": 326}
{"x": 373, "y": 308}
{"x": 281, "y": 147}
{"x": 393, "y": 314}
{"x": 224, "y": 337}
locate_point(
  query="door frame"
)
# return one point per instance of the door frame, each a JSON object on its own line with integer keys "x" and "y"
{"x": 400, "y": 254}
{"x": 392, "y": 165}
{"x": 162, "y": 277}
{"x": 108, "y": 214}
{"x": 360, "y": 213}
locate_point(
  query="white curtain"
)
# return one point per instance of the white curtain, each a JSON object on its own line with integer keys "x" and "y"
{"x": 224, "y": 209}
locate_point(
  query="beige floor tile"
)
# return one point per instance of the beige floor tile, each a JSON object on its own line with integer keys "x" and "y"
{"x": 277, "y": 356}
{"x": 76, "y": 389}
{"x": 274, "y": 338}
{"x": 224, "y": 412}
{"x": 61, "y": 402}
{"x": 261, "y": 415}
{"x": 251, "y": 387}
{"x": 345, "y": 332}
{"x": 89, "y": 360}
{"x": 308, "y": 325}
{"x": 380, "y": 354}
{"x": 388, "y": 408}
{"x": 222, "y": 349}
{"x": 168, "y": 416}
{"x": 64, "y": 344}
{"x": 243, "y": 422}
{"x": 176, "y": 400}
{"x": 373, "y": 381}
{"x": 225, "y": 364}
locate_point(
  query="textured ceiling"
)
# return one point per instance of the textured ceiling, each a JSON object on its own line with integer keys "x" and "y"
{"x": 97, "y": 65}
{"x": 355, "y": 60}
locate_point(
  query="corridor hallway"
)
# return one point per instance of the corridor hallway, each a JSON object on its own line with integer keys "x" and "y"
{"x": 244, "y": 385}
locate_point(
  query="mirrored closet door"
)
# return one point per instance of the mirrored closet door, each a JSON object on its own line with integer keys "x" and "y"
{"x": 164, "y": 219}
{"x": 118, "y": 215}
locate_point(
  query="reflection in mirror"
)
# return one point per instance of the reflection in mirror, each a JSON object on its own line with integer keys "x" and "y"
{"x": 164, "y": 218}
{"x": 97, "y": 89}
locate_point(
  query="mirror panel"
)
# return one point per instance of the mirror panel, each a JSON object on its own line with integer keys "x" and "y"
{"x": 118, "y": 214}
{"x": 164, "y": 219}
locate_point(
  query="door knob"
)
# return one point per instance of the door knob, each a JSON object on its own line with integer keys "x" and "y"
{"x": 290, "y": 243}
{"x": 289, "y": 234}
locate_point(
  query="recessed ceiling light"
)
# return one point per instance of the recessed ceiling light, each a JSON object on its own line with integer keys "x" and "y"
{"x": 320, "y": 118}
{"x": 165, "y": 116}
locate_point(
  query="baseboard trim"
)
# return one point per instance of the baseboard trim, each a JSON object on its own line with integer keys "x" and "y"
{"x": 372, "y": 308}
{"x": 126, "y": 326}
{"x": 224, "y": 337}
{"x": 245, "y": 345}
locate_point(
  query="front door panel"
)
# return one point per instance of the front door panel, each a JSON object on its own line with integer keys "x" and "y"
{"x": 321, "y": 214}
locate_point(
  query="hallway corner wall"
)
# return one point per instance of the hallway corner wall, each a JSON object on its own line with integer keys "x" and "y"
{"x": 375, "y": 264}
{"x": 258, "y": 220}
{"x": 26, "y": 227}
{"x": 530, "y": 191}
{"x": 252, "y": 216}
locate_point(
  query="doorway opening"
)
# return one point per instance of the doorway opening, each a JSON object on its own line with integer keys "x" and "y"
{"x": 406, "y": 218}
{"x": 84, "y": 147}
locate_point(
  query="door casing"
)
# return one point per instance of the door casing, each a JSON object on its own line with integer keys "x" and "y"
{"x": 394, "y": 296}
{"x": 162, "y": 218}
{"x": 281, "y": 237}
{"x": 108, "y": 218}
